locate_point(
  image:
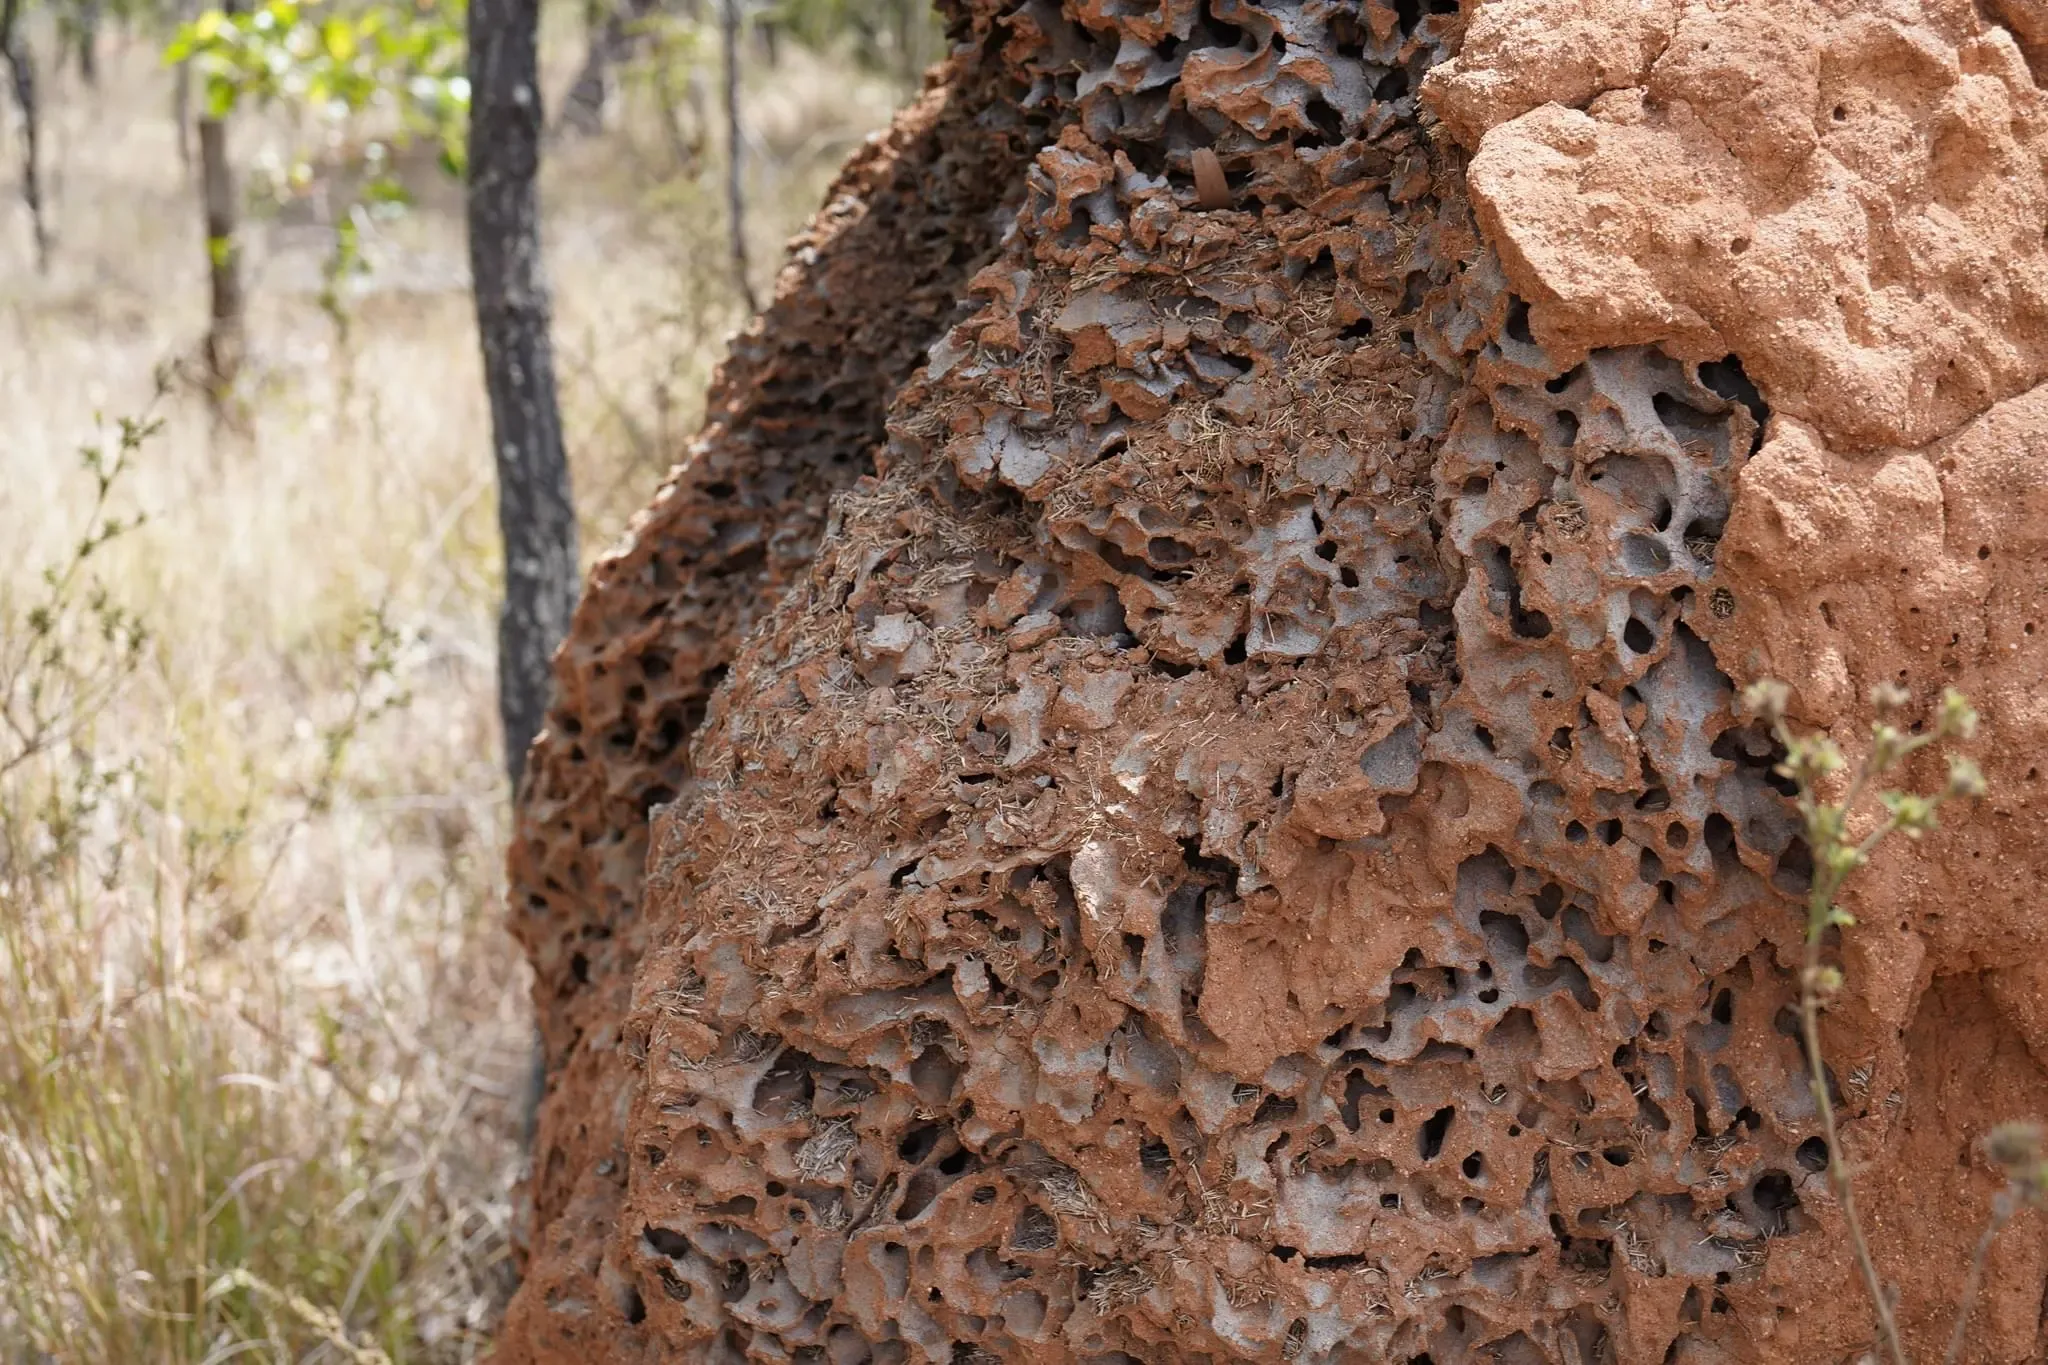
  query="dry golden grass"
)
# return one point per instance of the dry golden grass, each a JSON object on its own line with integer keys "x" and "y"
{"x": 261, "y": 1035}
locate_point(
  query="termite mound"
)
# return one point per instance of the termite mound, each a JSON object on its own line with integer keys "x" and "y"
{"x": 1232, "y": 840}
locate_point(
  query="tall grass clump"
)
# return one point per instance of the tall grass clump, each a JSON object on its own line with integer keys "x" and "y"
{"x": 197, "y": 1163}
{"x": 262, "y": 1036}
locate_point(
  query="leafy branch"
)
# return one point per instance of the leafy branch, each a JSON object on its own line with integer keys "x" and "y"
{"x": 73, "y": 645}
{"x": 408, "y": 59}
{"x": 405, "y": 60}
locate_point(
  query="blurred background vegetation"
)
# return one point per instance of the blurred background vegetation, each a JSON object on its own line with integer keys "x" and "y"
{"x": 262, "y": 1038}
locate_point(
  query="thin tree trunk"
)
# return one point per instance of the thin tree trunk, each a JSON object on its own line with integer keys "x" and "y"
{"x": 181, "y": 95}
{"x": 735, "y": 193}
{"x": 536, "y": 510}
{"x": 615, "y": 38}
{"x": 225, "y": 338}
{"x": 697, "y": 94}
{"x": 181, "y": 113}
{"x": 904, "y": 18}
{"x": 686, "y": 136}
{"x": 88, "y": 37}
{"x": 685, "y": 132}
{"x": 21, "y": 69}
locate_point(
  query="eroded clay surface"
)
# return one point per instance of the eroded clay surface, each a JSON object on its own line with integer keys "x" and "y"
{"x": 1848, "y": 195}
{"x": 1239, "y": 847}
{"x": 795, "y": 414}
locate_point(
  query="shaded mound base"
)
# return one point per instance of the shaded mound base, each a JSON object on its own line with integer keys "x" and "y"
{"x": 1238, "y": 848}
{"x": 795, "y": 415}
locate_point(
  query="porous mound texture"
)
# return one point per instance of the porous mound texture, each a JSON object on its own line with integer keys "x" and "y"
{"x": 795, "y": 414}
{"x": 1232, "y": 840}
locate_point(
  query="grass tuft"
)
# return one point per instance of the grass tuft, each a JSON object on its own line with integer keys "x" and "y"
{"x": 262, "y": 1037}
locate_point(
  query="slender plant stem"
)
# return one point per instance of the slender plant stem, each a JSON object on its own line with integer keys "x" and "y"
{"x": 1838, "y": 1167}
{"x": 1836, "y": 854}
{"x": 735, "y": 193}
{"x": 2002, "y": 1210}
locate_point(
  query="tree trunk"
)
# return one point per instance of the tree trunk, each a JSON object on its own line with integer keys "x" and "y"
{"x": 181, "y": 95}
{"x": 21, "y": 70}
{"x": 905, "y": 20}
{"x": 686, "y": 130}
{"x": 735, "y": 152}
{"x": 615, "y": 38}
{"x": 688, "y": 143}
{"x": 87, "y": 35}
{"x": 224, "y": 334}
{"x": 536, "y": 511}
{"x": 181, "y": 114}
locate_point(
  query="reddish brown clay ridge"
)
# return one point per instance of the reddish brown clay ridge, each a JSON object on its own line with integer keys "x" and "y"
{"x": 1231, "y": 840}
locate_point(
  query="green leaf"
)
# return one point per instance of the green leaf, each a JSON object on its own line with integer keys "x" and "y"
{"x": 220, "y": 98}
{"x": 338, "y": 38}
{"x": 386, "y": 190}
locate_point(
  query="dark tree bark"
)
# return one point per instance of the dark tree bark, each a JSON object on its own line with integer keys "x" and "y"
{"x": 536, "y": 511}
{"x": 224, "y": 335}
{"x": 225, "y": 339}
{"x": 21, "y": 70}
{"x": 735, "y": 152}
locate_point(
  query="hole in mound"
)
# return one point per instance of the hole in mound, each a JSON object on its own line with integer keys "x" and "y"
{"x": 1327, "y": 123}
{"x": 1644, "y": 557}
{"x": 1518, "y": 323}
{"x": 1274, "y": 1109}
{"x": 665, "y": 1242}
{"x": 1430, "y": 1140}
{"x": 1034, "y": 1230}
{"x": 1793, "y": 874}
{"x": 918, "y": 1143}
{"x": 1775, "y": 1202}
{"x": 1726, "y": 379}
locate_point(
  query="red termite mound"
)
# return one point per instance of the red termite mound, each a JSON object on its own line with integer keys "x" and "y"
{"x": 1163, "y": 783}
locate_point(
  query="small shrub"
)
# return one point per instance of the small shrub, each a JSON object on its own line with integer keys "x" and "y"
{"x": 194, "y": 1164}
